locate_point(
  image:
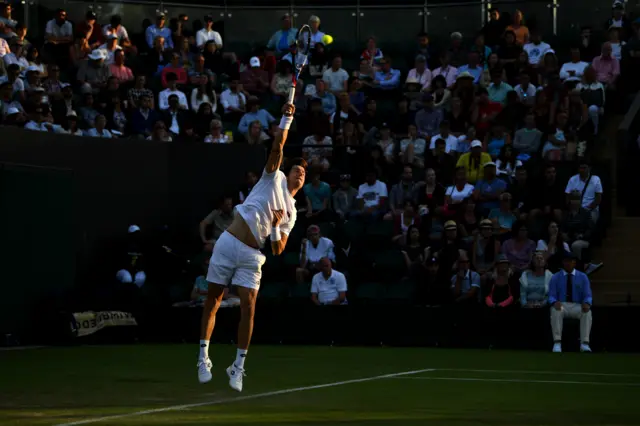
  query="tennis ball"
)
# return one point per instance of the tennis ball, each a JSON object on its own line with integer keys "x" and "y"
{"x": 327, "y": 39}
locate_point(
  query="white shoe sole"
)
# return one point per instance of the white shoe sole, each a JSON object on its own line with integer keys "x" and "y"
{"x": 205, "y": 379}
{"x": 232, "y": 384}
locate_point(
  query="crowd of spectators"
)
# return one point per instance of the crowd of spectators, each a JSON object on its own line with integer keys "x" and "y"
{"x": 457, "y": 164}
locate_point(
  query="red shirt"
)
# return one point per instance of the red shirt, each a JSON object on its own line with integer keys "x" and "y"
{"x": 486, "y": 114}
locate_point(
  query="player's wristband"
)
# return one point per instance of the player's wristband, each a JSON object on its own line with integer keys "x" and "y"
{"x": 275, "y": 233}
{"x": 285, "y": 123}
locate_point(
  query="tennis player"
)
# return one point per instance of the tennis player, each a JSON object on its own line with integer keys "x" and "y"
{"x": 268, "y": 212}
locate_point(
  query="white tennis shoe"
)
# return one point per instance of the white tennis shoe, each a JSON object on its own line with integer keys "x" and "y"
{"x": 235, "y": 377}
{"x": 557, "y": 348}
{"x": 204, "y": 370}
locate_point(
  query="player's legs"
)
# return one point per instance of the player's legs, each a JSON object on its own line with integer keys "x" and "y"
{"x": 248, "y": 297}
{"x": 211, "y": 305}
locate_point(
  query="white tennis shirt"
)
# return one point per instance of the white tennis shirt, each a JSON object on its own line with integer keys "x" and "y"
{"x": 270, "y": 193}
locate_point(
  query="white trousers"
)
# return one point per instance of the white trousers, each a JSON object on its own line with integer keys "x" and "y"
{"x": 594, "y": 114}
{"x": 573, "y": 311}
{"x": 577, "y": 246}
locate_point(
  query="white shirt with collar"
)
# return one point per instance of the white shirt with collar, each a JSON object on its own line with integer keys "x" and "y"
{"x": 577, "y": 68}
{"x": 316, "y": 38}
{"x": 204, "y": 35}
{"x": 423, "y": 78}
{"x": 175, "y": 127}
{"x": 228, "y": 99}
{"x": 328, "y": 289}
{"x": 55, "y": 30}
{"x": 163, "y": 98}
{"x": 110, "y": 53}
{"x": 577, "y": 184}
{"x": 528, "y": 95}
{"x": 323, "y": 249}
{"x": 451, "y": 142}
{"x": 121, "y": 32}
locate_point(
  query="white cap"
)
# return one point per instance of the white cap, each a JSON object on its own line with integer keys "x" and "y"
{"x": 98, "y": 54}
{"x": 13, "y": 110}
{"x": 490, "y": 163}
{"x": 254, "y": 62}
{"x": 112, "y": 36}
{"x": 134, "y": 228}
{"x": 476, "y": 143}
{"x": 64, "y": 85}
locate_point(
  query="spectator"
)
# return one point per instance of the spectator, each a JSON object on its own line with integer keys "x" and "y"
{"x": 371, "y": 53}
{"x": 281, "y": 81}
{"x": 618, "y": 19}
{"x": 500, "y": 294}
{"x": 430, "y": 195}
{"x": 219, "y": 220}
{"x": 428, "y": 119}
{"x": 573, "y": 70}
{"x": 570, "y": 297}
{"x": 215, "y": 135}
{"x": 527, "y": 139}
{"x": 473, "y": 67}
{"x": 441, "y": 162}
{"x": 71, "y": 125}
{"x": 335, "y": 77}
{"x": 484, "y": 112}
{"x": 317, "y": 36}
{"x": 412, "y": 249}
{"x": 16, "y": 55}
{"x": 175, "y": 117}
{"x": 233, "y": 101}
{"x": 519, "y": 248}
{"x": 607, "y": 67}
{"x": 593, "y": 95}
{"x": 8, "y": 24}
{"x": 447, "y": 71}
{"x": 313, "y": 249}
{"x": 144, "y": 117}
{"x": 110, "y": 47}
{"x": 507, "y": 163}
{"x": 403, "y": 191}
{"x": 525, "y": 90}
{"x": 138, "y": 90}
{"x": 372, "y": 197}
{"x": 407, "y": 217}
{"x": 458, "y": 192}
{"x": 536, "y": 49}
{"x": 344, "y": 198}
{"x": 519, "y": 29}
{"x": 87, "y": 111}
{"x": 327, "y": 98}
{"x": 318, "y": 197}
{"x": 99, "y": 130}
{"x": 502, "y": 217}
{"x": 494, "y": 28}
{"x": 488, "y": 189}
{"x": 473, "y": 161}
{"x": 159, "y": 133}
{"x": 577, "y": 225}
{"x": 118, "y": 70}
{"x": 208, "y": 34}
{"x": 254, "y": 113}
{"x": 318, "y": 148}
{"x": 174, "y": 67}
{"x": 522, "y": 194}
{"x": 94, "y": 73}
{"x": 172, "y": 90}
{"x": 204, "y": 93}
{"x": 556, "y": 146}
{"x": 58, "y": 37}
{"x": 534, "y": 283}
{"x": 115, "y": 27}
{"x": 201, "y": 285}
{"x": 457, "y": 53}
{"x": 553, "y": 246}
{"x": 250, "y": 181}
{"x": 283, "y": 38}
{"x": 133, "y": 270}
{"x": 485, "y": 248}
{"x": 319, "y": 62}
{"x": 590, "y": 188}
{"x": 495, "y": 140}
{"x": 420, "y": 73}
{"x": 465, "y": 284}
{"x": 255, "y": 80}
{"x": 589, "y": 48}
{"x": 508, "y": 53}
{"x": 159, "y": 30}
{"x": 328, "y": 287}
{"x": 451, "y": 142}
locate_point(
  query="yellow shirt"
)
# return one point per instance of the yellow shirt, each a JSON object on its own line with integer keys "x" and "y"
{"x": 477, "y": 172}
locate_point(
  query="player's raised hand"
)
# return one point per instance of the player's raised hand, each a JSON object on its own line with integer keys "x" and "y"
{"x": 288, "y": 109}
{"x": 277, "y": 217}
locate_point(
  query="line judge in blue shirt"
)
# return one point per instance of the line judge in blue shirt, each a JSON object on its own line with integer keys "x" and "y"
{"x": 570, "y": 297}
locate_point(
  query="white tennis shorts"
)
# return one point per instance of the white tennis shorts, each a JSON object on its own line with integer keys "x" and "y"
{"x": 234, "y": 262}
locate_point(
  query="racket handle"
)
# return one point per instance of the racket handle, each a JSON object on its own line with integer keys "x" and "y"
{"x": 292, "y": 94}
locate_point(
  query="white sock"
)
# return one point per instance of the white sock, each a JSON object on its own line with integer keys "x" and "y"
{"x": 204, "y": 349}
{"x": 241, "y": 355}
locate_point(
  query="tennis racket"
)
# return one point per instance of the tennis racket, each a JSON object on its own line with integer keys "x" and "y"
{"x": 299, "y": 57}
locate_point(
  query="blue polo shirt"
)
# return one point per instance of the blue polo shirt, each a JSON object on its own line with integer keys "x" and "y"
{"x": 491, "y": 188}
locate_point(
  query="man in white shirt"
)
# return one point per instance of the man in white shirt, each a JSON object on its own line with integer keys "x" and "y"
{"x": 573, "y": 71}
{"x": 445, "y": 134}
{"x": 449, "y": 72}
{"x": 4, "y": 47}
{"x": 110, "y": 47}
{"x": 172, "y": 89}
{"x": 116, "y": 27}
{"x": 420, "y": 73}
{"x": 336, "y": 77}
{"x": 208, "y": 34}
{"x": 536, "y": 49}
{"x": 591, "y": 195}
{"x": 525, "y": 90}
{"x": 328, "y": 287}
{"x": 312, "y": 249}
{"x": 234, "y": 101}
{"x": 372, "y": 196}
{"x": 317, "y": 36}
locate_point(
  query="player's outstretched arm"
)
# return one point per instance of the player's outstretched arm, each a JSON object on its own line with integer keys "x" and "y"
{"x": 276, "y": 154}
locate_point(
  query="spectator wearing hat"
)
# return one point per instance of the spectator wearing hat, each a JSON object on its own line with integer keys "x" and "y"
{"x": 159, "y": 30}
{"x": 312, "y": 249}
{"x": 465, "y": 284}
{"x": 570, "y": 297}
{"x": 474, "y": 162}
{"x": 254, "y": 113}
{"x": 619, "y": 20}
{"x": 428, "y": 119}
{"x": 255, "y": 80}
{"x": 208, "y": 34}
{"x": 344, "y": 198}
{"x": 485, "y": 249}
{"x": 519, "y": 248}
{"x": 282, "y": 39}
{"x": 499, "y": 285}
{"x": 420, "y": 73}
{"x": 110, "y": 47}
{"x": 94, "y": 73}
{"x": 317, "y": 36}
{"x": 115, "y": 27}
{"x": 446, "y": 70}
{"x": 336, "y": 77}
{"x": 488, "y": 189}
{"x": 71, "y": 124}
{"x": 328, "y": 287}
{"x": 473, "y": 67}
{"x": 372, "y": 197}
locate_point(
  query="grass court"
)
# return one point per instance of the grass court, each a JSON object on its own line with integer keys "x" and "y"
{"x": 141, "y": 385}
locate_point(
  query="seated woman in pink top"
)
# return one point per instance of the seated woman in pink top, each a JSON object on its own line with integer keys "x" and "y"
{"x": 174, "y": 67}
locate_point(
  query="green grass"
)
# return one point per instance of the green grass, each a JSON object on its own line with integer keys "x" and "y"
{"x": 54, "y": 386}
